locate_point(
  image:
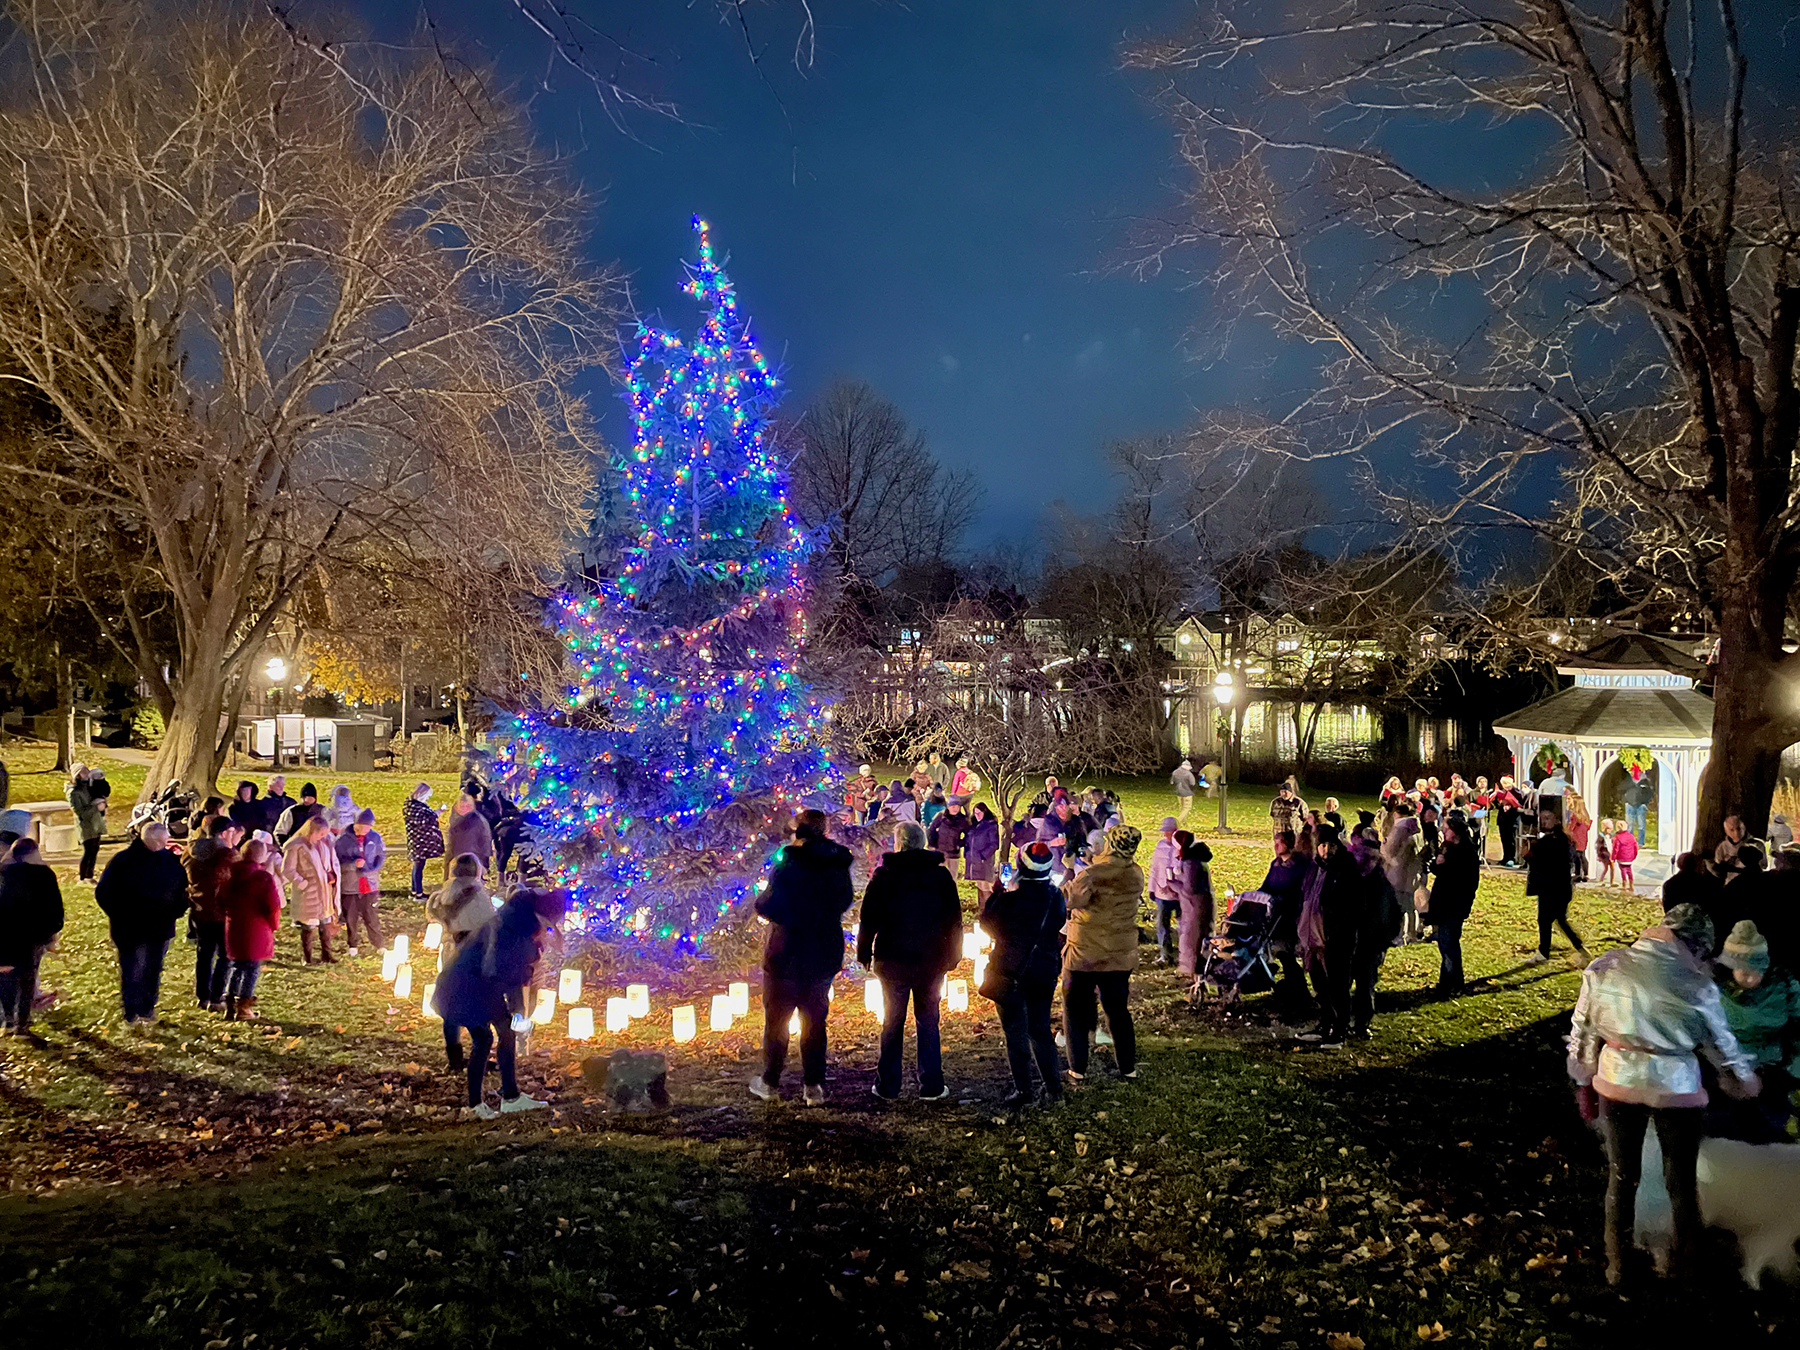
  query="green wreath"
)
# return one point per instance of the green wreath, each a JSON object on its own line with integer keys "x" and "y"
{"x": 1636, "y": 761}
{"x": 1546, "y": 760}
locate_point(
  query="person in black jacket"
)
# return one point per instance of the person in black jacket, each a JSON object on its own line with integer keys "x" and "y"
{"x": 273, "y": 803}
{"x": 1361, "y": 917}
{"x": 31, "y": 916}
{"x": 1550, "y": 876}
{"x": 142, "y": 892}
{"x": 1456, "y": 875}
{"x": 911, "y": 933}
{"x": 1026, "y": 926}
{"x": 804, "y": 902}
{"x": 485, "y": 988}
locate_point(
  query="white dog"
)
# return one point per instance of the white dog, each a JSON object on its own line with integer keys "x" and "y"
{"x": 1751, "y": 1189}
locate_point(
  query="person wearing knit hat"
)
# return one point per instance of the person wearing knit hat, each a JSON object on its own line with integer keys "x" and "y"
{"x": 1102, "y": 950}
{"x": 1025, "y": 923}
{"x": 361, "y": 853}
{"x": 1645, "y": 1014}
{"x": 1762, "y": 1008}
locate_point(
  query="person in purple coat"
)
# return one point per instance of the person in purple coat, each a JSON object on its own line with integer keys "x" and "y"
{"x": 979, "y": 848}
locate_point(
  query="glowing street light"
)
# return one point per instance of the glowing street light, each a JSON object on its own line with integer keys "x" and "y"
{"x": 1225, "y": 692}
{"x": 276, "y": 670}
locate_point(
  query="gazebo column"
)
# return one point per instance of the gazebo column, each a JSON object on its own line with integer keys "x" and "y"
{"x": 1592, "y": 758}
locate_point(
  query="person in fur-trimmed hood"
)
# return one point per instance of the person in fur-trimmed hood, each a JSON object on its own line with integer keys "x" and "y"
{"x": 1102, "y": 951}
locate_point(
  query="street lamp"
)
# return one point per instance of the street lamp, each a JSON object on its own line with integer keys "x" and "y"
{"x": 1225, "y": 691}
{"x": 276, "y": 670}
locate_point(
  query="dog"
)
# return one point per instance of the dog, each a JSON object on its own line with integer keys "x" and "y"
{"x": 1753, "y": 1190}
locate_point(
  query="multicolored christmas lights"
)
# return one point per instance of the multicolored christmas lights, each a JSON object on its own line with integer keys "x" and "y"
{"x": 662, "y": 778}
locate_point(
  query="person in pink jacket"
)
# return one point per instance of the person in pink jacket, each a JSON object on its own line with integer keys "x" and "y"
{"x": 1624, "y": 853}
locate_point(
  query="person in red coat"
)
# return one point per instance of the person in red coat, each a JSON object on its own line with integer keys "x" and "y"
{"x": 251, "y": 900}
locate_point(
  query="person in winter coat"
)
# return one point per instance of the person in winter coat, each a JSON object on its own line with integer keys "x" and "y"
{"x": 309, "y": 867}
{"x": 208, "y": 864}
{"x": 1361, "y": 917}
{"x": 979, "y": 851}
{"x": 899, "y": 804}
{"x": 470, "y": 832}
{"x": 340, "y": 811}
{"x": 1624, "y": 854}
{"x": 1164, "y": 889}
{"x": 1550, "y": 877}
{"x": 1644, "y": 1013}
{"x": 1453, "y": 886}
{"x": 1183, "y": 780}
{"x": 965, "y": 782}
{"x": 1403, "y": 864}
{"x": 1026, "y": 923}
{"x": 859, "y": 792}
{"x": 1285, "y": 885}
{"x": 1781, "y": 834}
{"x": 296, "y": 814}
{"x": 809, "y": 889}
{"x": 424, "y": 836}
{"x": 89, "y": 805}
{"x": 464, "y": 905}
{"x": 485, "y": 990}
{"x": 245, "y": 810}
{"x": 1508, "y": 807}
{"x": 273, "y": 802}
{"x": 1193, "y": 880}
{"x": 1762, "y": 1008}
{"x": 1102, "y": 950}
{"x": 1061, "y": 829}
{"x": 31, "y": 917}
{"x": 251, "y": 902}
{"x": 947, "y": 832}
{"x": 360, "y": 854}
{"x": 142, "y": 891}
{"x": 910, "y": 934}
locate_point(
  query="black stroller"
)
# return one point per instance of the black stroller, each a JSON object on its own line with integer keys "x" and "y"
{"x": 1235, "y": 960}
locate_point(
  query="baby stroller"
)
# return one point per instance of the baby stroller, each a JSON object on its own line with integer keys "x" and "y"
{"x": 1235, "y": 960}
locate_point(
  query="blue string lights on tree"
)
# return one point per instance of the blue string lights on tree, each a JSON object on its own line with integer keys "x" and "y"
{"x": 665, "y": 776}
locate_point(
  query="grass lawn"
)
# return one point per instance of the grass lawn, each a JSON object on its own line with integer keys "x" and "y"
{"x": 304, "y": 1181}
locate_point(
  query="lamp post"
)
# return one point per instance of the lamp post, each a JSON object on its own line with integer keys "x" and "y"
{"x": 1225, "y": 691}
{"x": 276, "y": 671}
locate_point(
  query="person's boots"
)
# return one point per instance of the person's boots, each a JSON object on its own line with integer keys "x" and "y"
{"x": 306, "y": 946}
{"x": 231, "y": 1008}
{"x": 246, "y": 1008}
{"x": 325, "y": 945}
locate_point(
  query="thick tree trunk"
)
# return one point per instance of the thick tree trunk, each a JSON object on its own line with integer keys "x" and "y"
{"x": 191, "y": 750}
{"x": 1751, "y": 724}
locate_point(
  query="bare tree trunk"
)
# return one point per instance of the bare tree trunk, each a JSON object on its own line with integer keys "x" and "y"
{"x": 1749, "y": 727}
{"x": 191, "y": 751}
{"x": 65, "y": 712}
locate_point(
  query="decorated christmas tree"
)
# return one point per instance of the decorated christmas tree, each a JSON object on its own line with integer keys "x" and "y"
{"x": 662, "y": 779}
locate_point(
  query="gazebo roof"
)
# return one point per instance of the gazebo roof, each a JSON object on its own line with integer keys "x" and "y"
{"x": 1619, "y": 716}
{"x": 1633, "y": 651}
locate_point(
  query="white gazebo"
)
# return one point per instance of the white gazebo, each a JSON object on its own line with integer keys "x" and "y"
{"x": 1633, "y": 697}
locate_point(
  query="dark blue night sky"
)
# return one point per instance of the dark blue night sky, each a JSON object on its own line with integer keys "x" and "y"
{"x": 930, "y": 208}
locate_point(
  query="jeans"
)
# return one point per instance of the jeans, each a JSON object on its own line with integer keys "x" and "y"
{"x": 1622, "y": 1126}
{"x": 1025, "y": 1020}
{"x": 361, "y": 911}
{"x": 241, "y": 980}
{"x": 781, "y": 999}
{"x": 90, "y": 854}
{"x": 418, "y": 886}
{"x": 140, "y": 976}
{"x": 1637, "y": 819}
{"x": 1450, "y": 965}
{"x": 210, "y": 965}
{"x": 1509, "y": 836}
{"x": 1165, "y": 911}
{"x": 1554, "y": 910}
{"x": 18, "y": 987}
{"x": 482, "y": 1039}
{"x": 922, "y": 992}
{"x": 1079, "y": 1018}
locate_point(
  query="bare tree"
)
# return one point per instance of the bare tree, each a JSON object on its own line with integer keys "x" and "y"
{"x": 287, "y": 300}
{"x": 867, "y": 478}
{"x": 1593, "y": 343}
